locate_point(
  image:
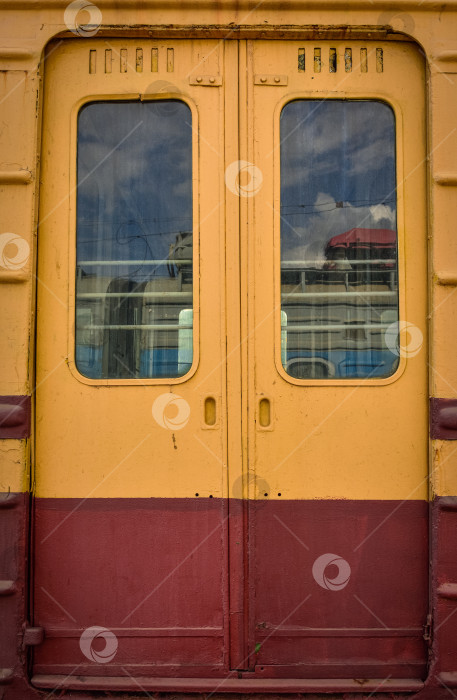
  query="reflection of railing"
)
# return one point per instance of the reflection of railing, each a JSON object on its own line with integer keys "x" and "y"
{"x": 342, "y": 272}
{"x": 135, "y": 327}
{"x": 129, "y": 328}
{"x": 301, "y": 264}
{"x": 336, "y": 295}
{"x": 180, "y": 296}
{"x": 312, "y": 328}
{"x": 113, "y": 263}
{"x": 335, "y": 314}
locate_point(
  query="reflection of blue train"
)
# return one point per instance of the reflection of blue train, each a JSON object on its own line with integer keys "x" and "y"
{"x": 342, "y": 364}
{"x": 89, "y": 361}
{"x": 335, "y": 315}
{"x": 126, "y": 330}
{"x": 134, "y": 318}
{"x": 166, "y": 361}
{"x": 174, "y": 359}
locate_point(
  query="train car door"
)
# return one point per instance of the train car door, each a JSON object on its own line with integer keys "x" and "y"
{"x": 130, "y": 514}
{"x": 231, "y": 461}
{"x": 335, "y": 243}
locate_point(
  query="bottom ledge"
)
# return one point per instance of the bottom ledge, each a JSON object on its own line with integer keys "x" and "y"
{"x": 448, "y": 678}
{"x": 227, "y": 685}
{"x": 6, "y": 675}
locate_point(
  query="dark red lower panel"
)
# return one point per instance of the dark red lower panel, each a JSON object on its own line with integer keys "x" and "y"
{"x": 13, "y": 539}
{"x": 336, "y": 589}
{"x": 14, "y": 531}
{"x": 444, "y": 593}
{"x": 153, "y": 573}
{"x": 232, "y": 684}
{"x": 340, "y": 587}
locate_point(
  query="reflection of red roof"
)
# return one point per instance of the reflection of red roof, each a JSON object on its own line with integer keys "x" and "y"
{"x": 376, "y": 237}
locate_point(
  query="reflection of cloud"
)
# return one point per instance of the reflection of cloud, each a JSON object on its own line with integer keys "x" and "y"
{"x": 371, "y": 157}
{"x": 346, "y": 148}
{"x": 364, "y": 160}
{"x": 135, "y": 170}
{"x": 301, "y": 247}
{"x": 154, "y": 151}
{"x": 321, "y": 226}
{"x": 359, "y": 160}
{"x": 312, "y": 253}
{"x": 384, "y": 214}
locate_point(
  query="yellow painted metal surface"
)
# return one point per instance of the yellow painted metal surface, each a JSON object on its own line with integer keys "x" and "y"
{"x": 18, "y": 148}
{"x": 444, "y": 212}
{"x": 318, "y": 439}
{"x": 28, "y": 26}
{"x": 13, "y": 477}
{"x": 105, "y": 438}
{"x": 444, "y": 475}
{"x": 340, "y": 438}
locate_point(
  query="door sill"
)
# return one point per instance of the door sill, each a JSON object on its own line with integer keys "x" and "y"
{"x": 227, "y": 685}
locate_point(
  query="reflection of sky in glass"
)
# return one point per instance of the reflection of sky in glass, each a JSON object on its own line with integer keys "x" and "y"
{"x": 134, "y": 181}
{"x": 337, "y": 172}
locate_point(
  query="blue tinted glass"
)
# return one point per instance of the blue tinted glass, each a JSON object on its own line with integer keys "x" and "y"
{"x": 134, "y": 240}
{"x": 339, "y": 280}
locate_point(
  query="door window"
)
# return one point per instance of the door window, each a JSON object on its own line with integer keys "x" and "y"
{"x": 134, "y": 240}
{"x": 339, "y": 277}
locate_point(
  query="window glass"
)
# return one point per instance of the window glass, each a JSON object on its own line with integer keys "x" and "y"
{"x": 339, "y": 280}
{"x": 134, "y": 240}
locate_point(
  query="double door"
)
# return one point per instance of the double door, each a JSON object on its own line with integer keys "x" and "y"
{"x": 230, "y": 478}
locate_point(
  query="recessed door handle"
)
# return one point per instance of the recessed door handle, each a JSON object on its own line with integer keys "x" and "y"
{"x": 264, "y": 413}
{"x": 210, "y": 413}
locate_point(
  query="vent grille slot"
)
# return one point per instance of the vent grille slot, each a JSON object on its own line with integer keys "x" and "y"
{"x": 368, "y": 58}
{"x": 132, "y": 59}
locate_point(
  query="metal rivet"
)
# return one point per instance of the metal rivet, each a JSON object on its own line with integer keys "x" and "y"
{"x": 277, "y": 79}
{"x": 263, "y": 79}
{"x": 212, "y": 80}
{"x": 199, "y": 78}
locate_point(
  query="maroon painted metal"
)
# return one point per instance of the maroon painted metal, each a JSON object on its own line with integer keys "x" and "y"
{"x": 238, "y": 579}
{"x": 235, "y": 685}
{"x": 439, "y": 681}
{"x": 443, "y": 660}
{"x": 443, "y": 419}
{"x": 151, "y": 572}
{"x": 374, "y": 622}
{"x": 33, "y": 636}
{"x": 14, "y": 532}
{"x": 15, "y": 416}
{"x": 448, "y": 590}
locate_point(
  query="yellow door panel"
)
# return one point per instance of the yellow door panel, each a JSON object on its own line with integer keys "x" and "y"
{"x": 110, "y": 410}
{"x": 340, "y": 426}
